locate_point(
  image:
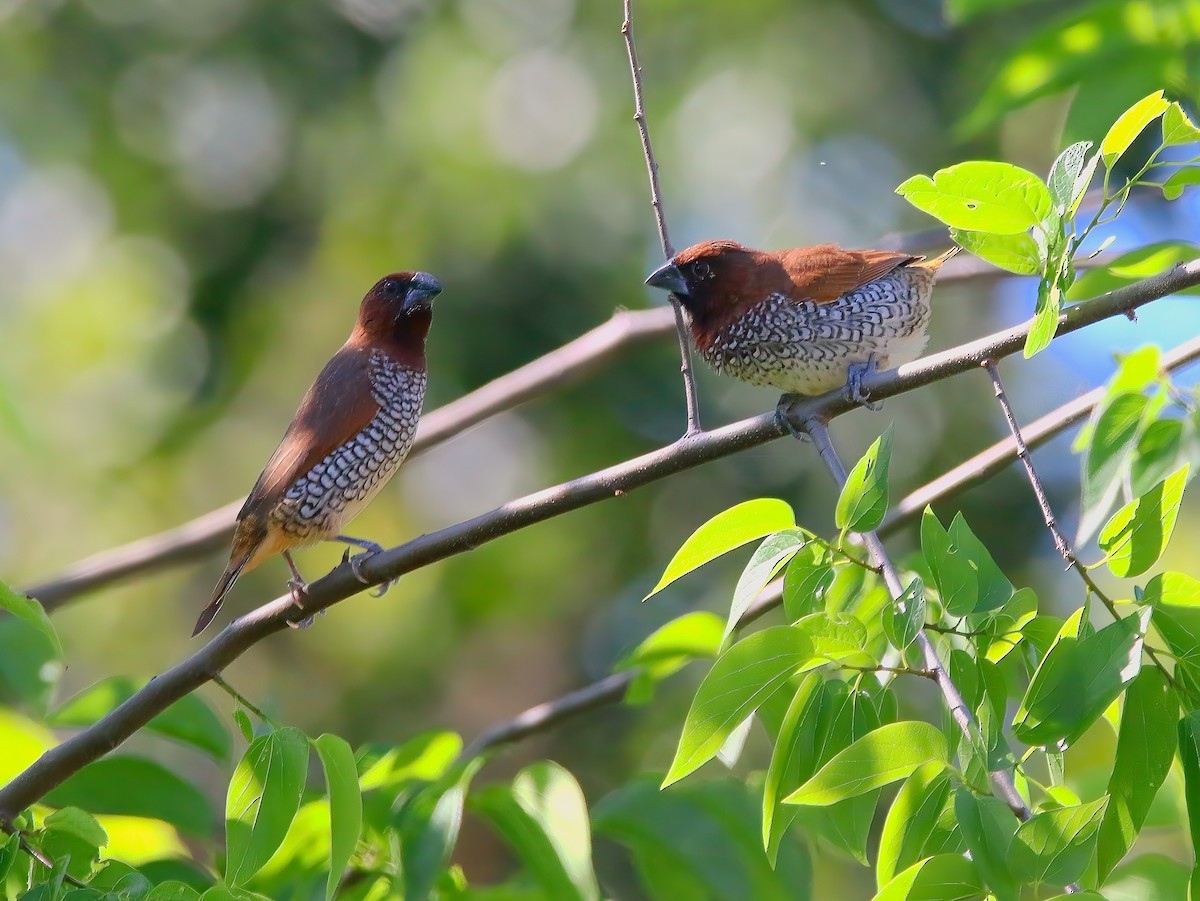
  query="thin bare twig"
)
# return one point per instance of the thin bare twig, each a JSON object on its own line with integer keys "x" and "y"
{"x": 91, "y": 743}
{"x": 1060, "y": 541}
{"x": 639, "y": 116}
{"x": 237, "y": 696}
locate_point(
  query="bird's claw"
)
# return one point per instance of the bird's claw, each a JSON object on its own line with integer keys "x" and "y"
{"x": 781, "y": 413}
{"x": 855, "y": 373}
{"x": 356, "y": 562}
{"x": 298, "y": 587}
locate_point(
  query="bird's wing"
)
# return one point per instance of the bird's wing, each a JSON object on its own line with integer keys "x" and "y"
{"x": 825, "y": 272}
{"x": 336, "y": 408}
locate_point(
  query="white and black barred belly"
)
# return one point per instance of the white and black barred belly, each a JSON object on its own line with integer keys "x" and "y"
{"x": 345, "y": 481}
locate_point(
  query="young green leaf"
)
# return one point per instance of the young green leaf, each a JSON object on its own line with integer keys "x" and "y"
{"x": 1055, "y": 846}
{"x": 427, "y": 823}
{"x": 806, "y": 580}
{"x": 864, "y": 497}
{"x": 1178, "y": 180}
{"x": 264, "y": 795}
{"x": 741, "y": 679}
{"x": 669, "y": 648}
{"x": 1108, "y": 457}
{"x": 173, "y": 891}
{"x": 1145, "y": 261}
{"x": 982, "y": 196}
{"x": 1078, "y": 679}
{"x": 988, "y": 827}
{"x": 1137, "y": 534}
{"x": 727, "y": 530}
{"x": 902, "y": 625}
{"x": 1070, "y": 176}
{"x": 345, "y": 805}
{"x": 888, "y": 754}
{"x": 1130, "y": 125}
{"x": 770, "y": 557}
{"x": 74, "y": 835}
{"x": 1017, "y": 253}
{"x": 1177, "y": 128}
{"x": 943, "y": 877}
{"x": 1145, "y": 749}
{"x": 1045, "y": 316}
{"x": 26, "y": 608}
{"x": 967, "y": 578}
{"x": 912, "y": 821}
{"x": 544, "y": 816}
{"x": 1157, "y": 455}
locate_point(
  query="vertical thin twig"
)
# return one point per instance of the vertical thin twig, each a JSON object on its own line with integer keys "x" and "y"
{"x": 1001, "y": 779}
{"x": 639, "y": 116}
{"x": 1039, "y": 491}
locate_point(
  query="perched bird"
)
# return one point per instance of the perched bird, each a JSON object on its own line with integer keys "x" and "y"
{"x": 351, "y": 433}
{"x": 806, "y": 320}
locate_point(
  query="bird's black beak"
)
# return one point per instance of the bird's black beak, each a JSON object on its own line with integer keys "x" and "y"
{"x": 421, "y": 290}
{"x": 668, "y": 278}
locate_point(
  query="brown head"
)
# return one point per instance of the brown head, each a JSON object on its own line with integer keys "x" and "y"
{"x": 715, "y": 280}
{"x": 397, "y": 312}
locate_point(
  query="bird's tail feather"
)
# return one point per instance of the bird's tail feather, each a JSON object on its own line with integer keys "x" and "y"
{"x": 935, "y": 264}
{"x": 231, "y": 575}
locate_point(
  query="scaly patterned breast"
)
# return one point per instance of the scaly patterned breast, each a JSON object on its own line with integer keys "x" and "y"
{"x": 336, "y": 489}
{"x": 804, "y": 347}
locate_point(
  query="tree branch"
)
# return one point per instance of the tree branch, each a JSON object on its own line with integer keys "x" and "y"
{"x": 91, "y": 743}
{"x": 211, "y": 532}
{"x": 639, "y": 116}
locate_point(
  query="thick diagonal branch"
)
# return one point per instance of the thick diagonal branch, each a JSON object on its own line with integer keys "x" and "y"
{"x": 57, "y": 764}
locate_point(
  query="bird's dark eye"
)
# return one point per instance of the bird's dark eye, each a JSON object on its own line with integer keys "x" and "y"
{"x": 701, "y": 270}
{"x": 392, "y": 288}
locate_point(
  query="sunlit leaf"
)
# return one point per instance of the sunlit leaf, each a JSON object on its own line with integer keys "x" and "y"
{"x": 1157, "y": 455}
{"x": 988, "y": 827}
{"x": 1137, "y": 534}
{"x": 770, "y": 557}
{"x": 1146, "y": 743}
{"x": 1145, "y": 261}
{"x": 902, "y": 625}
{"x": 428, "y": 824}
{"x": 967, "y": 578}
{"x": 1045, "y": 317}
{"x": 1129, "y": 125}
{"x": 943, "y": 877}
{"x": 26, "y": 608}
{"x": 1070, "y": 176}
{"x": 1055, "y": 846}
{"x": 693, "y": 636}
{"x": 888, "y": 754}
{"x": 864, "y": 497}
{"x": 1177, "y": 128}
{"x": 1017, "y": 253}
{"x": 73, "y": 834}
{"x": 1106, "y": 463}
{"x": 807, "y": 577}
{"x": 912, "y": 821}
{"x": 727, "y": 530}
{"x": 1180, "y": 179}
{"x": 264, "y": 795}
{"x": 793, "y": 757}
{"x": 998, "y": 198}
{"x": 741, "y": 679}
{"x": 345, "y": 804}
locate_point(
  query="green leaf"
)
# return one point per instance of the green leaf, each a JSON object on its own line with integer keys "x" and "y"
{"x": 1145, "y": 749}
{"x": 244, "y": 725}
{"x": 902, "y": 625}
{"x": 1109, "y": 453}
{"x": 943, "y": 877}
{"x": 864, "y": 497}
{"x": 998, "y": 198}
{"x": 770, "y": 557}
{"x": 988, "y": 827}
{"x": 1070, "y": 176}
{"x": 8, "y": 856}
{"x": 741, "y": 679}
{"x": 1172, "y": 589}
{"x": 1055, "y": 846}
{"x": 26, "y": 608}
{"x": 345, "y": 805}
{"x": 1130, "y": 125}
{"x": 428, "y": 827}
{"x": 189, "y": 720}
{"x": 1137, "y": 534}
{"x": 727, "y": 530}
{"x": 1045, "y": 317}
{"x": 1188, "y": 733}
{"x": 806, "y": 580}
{"x": 912, "y": 821}
{"x": 543, "y": 815}
{"x": 133, "y": 786}
{"x": 1017, "y": 253}
{"x": 1177, "y": 128}
{"x": 264, "y": 795}
{"x": 1077, "y": 680}
{"x": 29, "y": 666}
{"x": 1178, "y": 180}
{"x": 888, "y": 754}
{"x": 1147, "y": 877}
{"x": 967, "y": 578}
{"x": 1145, "y": 261}
{"x": 74, "y": 835}
{"x": 669, "y": 648}
{"x": 794, "y": 757}
{"x": 1157, "y": 455}
{"x": 173, "y": 891}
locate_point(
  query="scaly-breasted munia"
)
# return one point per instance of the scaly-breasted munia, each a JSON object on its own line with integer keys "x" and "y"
{"x": 806, "y": 320}
{"x": 351, "y": 433}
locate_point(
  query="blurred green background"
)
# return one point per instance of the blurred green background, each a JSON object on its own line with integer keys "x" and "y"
{"x": 194, "y": 196}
